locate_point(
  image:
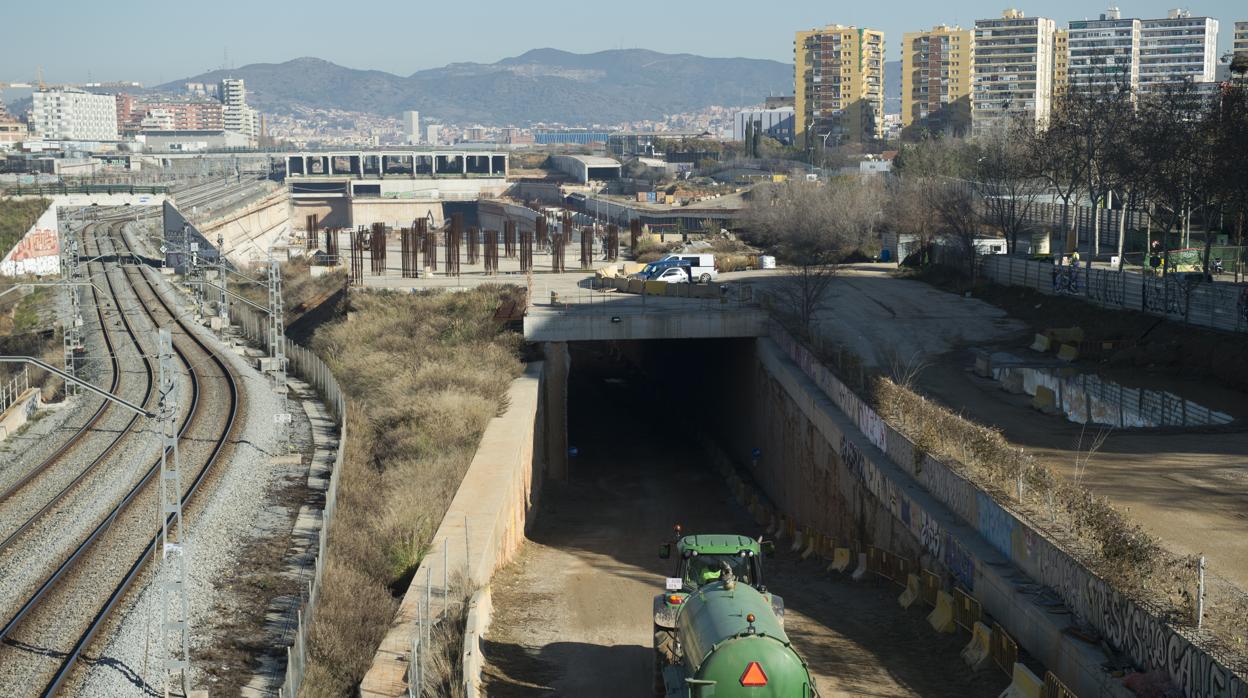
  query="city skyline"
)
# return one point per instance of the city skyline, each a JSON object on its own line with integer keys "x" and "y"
{"x": 238, "y": 34}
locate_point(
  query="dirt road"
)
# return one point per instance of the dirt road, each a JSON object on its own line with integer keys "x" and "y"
{"x": 572, "y": 613}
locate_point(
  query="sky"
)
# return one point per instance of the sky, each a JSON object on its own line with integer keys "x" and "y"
{"x": 156, "y": 41}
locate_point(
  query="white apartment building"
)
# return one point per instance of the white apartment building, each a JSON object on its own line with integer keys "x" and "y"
{"x": 74, "y": 115}
{"x": 433, "y": 134}
{"x": 1013, "y": 71}
{"x": 236, "y": 115}
{"x": 1103, "y": 51}
{"x": 1177, "y": 48}
{"x": 411, "y": 126}
{"x": 1240, "y": 45}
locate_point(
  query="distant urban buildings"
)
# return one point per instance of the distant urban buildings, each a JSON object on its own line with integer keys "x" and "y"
{"x": 1240, "y": 42}
{"x": 1061, "y": 60}
{"x": 569, "y": 136}
{"x": 136, "y": 115}
{"x": 839, "y": 86}
{"x": 776, "y": 123}
{"x": 411, "y": 126}
{"x": 433, "y": 134}
{"x": 74, "y": 115}
{"x": 936, "y": 71}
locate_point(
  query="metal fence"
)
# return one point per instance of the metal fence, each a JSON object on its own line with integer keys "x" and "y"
{"x": 13, "y": 388}
{"x": 310, "y": 368}
{"x": 1217, "y": 305}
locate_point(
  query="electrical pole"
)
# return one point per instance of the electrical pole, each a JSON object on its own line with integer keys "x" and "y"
{"x": 71, "y": 327}
{"x": 174, "y": 614}
{"x": 277, "y": 347}
{"x": 223, "y": 309}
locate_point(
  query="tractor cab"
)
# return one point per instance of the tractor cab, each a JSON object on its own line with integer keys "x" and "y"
{"x": 704, "y": 559}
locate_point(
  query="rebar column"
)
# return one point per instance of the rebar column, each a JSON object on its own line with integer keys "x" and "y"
{"x": 357, "y": 257}
{"x": 587, "y": 247}
{"x": 526, "y": 250}
{"x": 453, "y": 238}
{"x": 377, "y": 249}
{"x": 474, "y": 239}
{"x": 509, "y": 239}
{"x": 543, "y": 232}
{"x": 491, "y": 252}
{"x": 556, "y": 252}
{"x": 634, "y": 234}
{"x": 312, "y": 236}
{"x": 613, "y": 242}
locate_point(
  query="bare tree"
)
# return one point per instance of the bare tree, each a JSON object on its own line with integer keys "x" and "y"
{"x": 812, "y": 226}
{"x": 960, "y": 220}
{"x": 1008, "y": 181}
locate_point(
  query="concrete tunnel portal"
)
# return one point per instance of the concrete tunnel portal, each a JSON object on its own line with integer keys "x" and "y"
{"x": 572, "y": 613}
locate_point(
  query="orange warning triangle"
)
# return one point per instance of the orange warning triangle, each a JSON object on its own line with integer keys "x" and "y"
{"x": 754, "y": 675}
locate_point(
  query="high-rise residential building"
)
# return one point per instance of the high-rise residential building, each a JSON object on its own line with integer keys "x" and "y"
{"x": 11, "y": 130}
{"x": 1178, "y": 48}
{"x": 411, "y": 126}
{"x": 1013, "y": 71}
{"x": 839, "y": 86}
{"x": 1104, "y": 52}
{"x": 433, "y": 134}
{"x": 1240, "y": 45}
{"x": 191, "y": 114}
{"x": 1061, "y": 60}
{"x": 74, "y": 115}
{"x": 235, "y": 114}
{"x": 936, "y": 71}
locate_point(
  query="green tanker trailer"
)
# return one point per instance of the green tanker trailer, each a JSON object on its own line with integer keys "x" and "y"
{"x": 730, "y": 643}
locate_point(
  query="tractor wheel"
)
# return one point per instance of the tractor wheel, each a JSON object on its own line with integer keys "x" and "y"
{"x": 664, "y": 655}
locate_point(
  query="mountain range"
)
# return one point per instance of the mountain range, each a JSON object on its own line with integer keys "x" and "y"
{"x": 542, "y": 85}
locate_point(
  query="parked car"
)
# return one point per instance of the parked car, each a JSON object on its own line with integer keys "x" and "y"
{"x": 653, "y": 269}
{"x": 681, "y": 274}
{"x": 702, "y": 265}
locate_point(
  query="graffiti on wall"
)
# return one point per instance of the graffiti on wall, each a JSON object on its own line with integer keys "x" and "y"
{"x": 39, "y": 250}
{"x": 1154, "y": 645}
{"x": 960, "y": 562}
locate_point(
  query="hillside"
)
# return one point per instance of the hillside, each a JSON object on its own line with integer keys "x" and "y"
{"x": 542, "y": 85}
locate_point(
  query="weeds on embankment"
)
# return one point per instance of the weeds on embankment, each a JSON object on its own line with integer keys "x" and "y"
{"x": 423, "y": 374}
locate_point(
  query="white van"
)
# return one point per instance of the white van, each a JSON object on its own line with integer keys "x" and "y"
{"x": 701, "y": 266}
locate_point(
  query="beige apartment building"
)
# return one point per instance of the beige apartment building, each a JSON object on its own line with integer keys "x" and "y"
{"x": 1061, "y": 61}
{"x": 936, "y": 72}
{"x": 838, "y": 86}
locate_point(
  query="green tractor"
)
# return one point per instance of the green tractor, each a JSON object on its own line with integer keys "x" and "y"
{"x": 717, "y": 630}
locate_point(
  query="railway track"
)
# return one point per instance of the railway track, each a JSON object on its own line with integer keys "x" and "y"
{"x": 44, "y": 639}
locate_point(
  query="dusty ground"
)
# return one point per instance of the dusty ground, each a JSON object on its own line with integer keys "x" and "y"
{"x": 572, "y": 613}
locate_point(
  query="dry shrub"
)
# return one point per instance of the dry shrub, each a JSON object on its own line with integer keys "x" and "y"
{"x": 424, "y": 374}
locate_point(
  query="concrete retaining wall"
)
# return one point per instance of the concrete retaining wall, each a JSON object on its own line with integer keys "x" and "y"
{"x": 483, "y": 528}
{"x": 20, "y": 412}
{"x": 994, "y": 553}
{"x": 249, "y": 232}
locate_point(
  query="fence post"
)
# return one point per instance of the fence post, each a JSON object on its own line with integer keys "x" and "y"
{"x": 1200, "y": 592}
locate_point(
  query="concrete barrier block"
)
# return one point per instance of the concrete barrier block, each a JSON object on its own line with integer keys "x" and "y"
{"x": 636, "y": 286}
{"x": 621, "y": 283}
{"x": 1045, "y": 400}
{"x": 782, "y": 528}
{"x": 673, "y": 289}
{"x": 911, "y": 594}
{"x": 1013, "y": 383}
{"x": 1068, "y": 352}
{"x": 941, "y": 618}
{"x": 1023, "y": 684}
{"x": 797, "y": 541}
{"x": 861, "y": 572}
{"x": 656, "y": 288}
{"x": 1042, "y": 343}
{"x": 983, "y": 366}
{"x": 978, "y": 652}
{"x": 840, "y": 560}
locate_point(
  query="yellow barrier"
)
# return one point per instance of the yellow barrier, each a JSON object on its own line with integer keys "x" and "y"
{"x": 1024, "y": 684}
{"x": 1054, "y": 688}
{"x": 1068, "y": 352}
{"x": 941, "y": 617}
{"x": 1042, "y": 343}
{"x": 840, "y": 560}
{"x": 1045, "y": 400}
{"x": 911, "y": 594}
{"x": 655, "y": 288}
{"x": 978, "y": 652}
